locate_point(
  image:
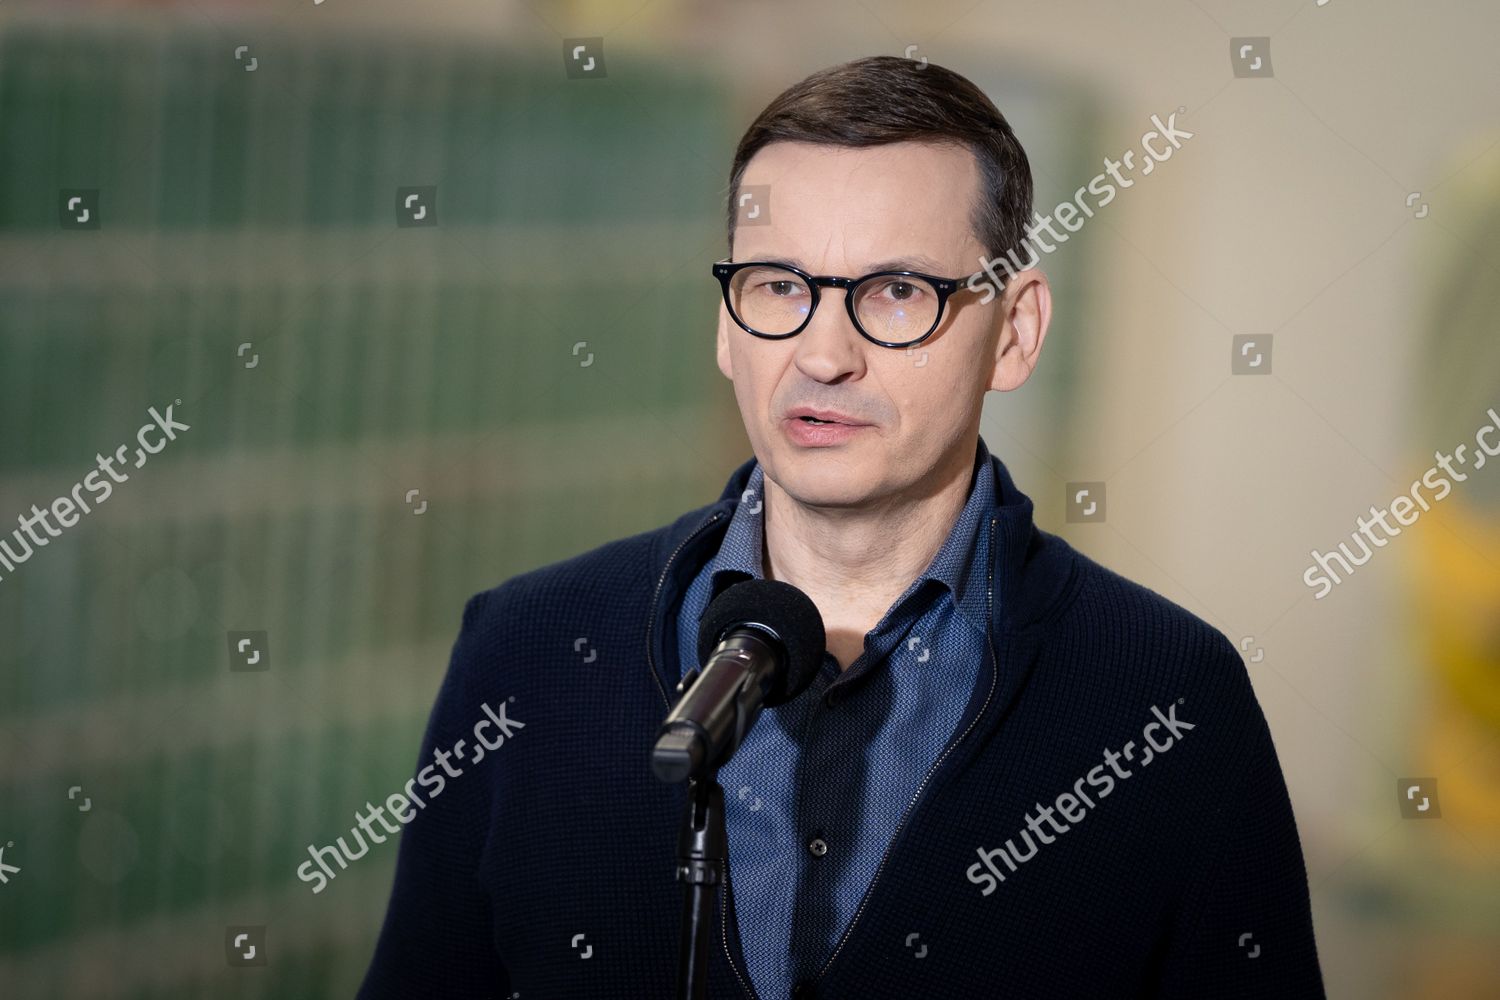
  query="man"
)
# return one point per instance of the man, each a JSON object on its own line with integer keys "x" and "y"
{"x": 1017, "y": 773}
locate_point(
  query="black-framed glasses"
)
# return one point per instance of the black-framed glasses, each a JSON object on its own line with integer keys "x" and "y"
{"x": 889, "y": 308}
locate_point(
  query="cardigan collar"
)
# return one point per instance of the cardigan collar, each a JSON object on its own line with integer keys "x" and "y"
{"x": 1031, "y": 569}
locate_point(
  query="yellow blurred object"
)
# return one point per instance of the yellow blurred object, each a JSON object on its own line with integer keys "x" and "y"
{"x": 1458, "y": 599}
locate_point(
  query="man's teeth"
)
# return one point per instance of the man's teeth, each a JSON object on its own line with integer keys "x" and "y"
{"x": 815, "y": 420}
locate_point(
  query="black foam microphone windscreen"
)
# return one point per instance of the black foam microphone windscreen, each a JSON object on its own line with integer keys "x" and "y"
{"x": 775, "y": 608}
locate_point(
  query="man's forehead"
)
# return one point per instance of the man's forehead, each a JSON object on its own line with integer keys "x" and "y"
{"x": 896, "y": 206}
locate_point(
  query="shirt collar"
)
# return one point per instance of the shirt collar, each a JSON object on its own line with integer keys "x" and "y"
{"x": 957, "y": 565}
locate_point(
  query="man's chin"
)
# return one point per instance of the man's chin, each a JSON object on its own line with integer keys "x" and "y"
{"x": 822, "y": 478}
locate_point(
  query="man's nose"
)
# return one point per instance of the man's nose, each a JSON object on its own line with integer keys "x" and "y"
{"x": 830, "y": 347}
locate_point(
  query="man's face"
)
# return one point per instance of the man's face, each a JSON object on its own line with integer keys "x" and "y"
{"x": 841, "y": 211}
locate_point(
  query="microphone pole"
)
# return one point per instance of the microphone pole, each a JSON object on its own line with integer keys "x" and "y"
{"x": 702, "y": 854}
{"x": 761, "y": 642}
{"x": 702, "y": 842}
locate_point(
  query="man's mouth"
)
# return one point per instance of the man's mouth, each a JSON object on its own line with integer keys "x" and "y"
{"x": 810, "y": 415}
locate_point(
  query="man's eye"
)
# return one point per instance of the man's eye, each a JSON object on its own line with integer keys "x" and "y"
{"x": 781, "y": 288}
{"x": 900, "y": 291}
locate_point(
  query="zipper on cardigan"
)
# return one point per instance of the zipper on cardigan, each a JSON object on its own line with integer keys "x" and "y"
{"x": 994, "y": 680}
{"x": 656, "y": 596}
{"x": 724, "y": 937}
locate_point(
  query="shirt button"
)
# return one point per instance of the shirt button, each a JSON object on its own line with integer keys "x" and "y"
{"x": 805, "y": 990}
{"x": 817, "y": 847}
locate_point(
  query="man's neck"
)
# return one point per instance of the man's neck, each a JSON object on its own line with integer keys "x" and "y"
{"x": 854, "y": 563}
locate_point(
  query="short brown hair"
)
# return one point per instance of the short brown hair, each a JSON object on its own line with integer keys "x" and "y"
{"x": 883, "y": 99}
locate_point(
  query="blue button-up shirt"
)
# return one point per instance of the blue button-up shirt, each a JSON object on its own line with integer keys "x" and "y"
{"x": 816, "y": 792}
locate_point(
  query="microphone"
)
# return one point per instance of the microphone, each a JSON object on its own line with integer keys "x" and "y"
{"x": 760, "y": 643}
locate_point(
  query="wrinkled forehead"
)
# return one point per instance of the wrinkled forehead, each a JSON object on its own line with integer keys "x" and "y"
{"x": 836, "y": 209}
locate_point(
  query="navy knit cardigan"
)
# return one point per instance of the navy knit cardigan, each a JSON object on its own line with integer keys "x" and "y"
{"x": 546, "y": 869}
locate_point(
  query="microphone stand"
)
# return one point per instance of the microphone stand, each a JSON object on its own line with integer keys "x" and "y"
{"x": 684, "y": 749}
{"x": 702, "y": 853}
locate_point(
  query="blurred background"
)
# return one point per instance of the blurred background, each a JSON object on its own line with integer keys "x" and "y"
{"x": 205, "y": 204}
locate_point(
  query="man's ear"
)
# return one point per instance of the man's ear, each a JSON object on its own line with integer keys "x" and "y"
{"x": 726, "y": 364}
{"x": 1023, "y": 313}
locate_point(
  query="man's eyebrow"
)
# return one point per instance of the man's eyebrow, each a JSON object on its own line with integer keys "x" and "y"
{"x": 911, "y": 262}
{"x": 788, "y": 261}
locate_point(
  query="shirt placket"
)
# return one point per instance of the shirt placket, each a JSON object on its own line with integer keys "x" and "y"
{"x": 824, "y": 828}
